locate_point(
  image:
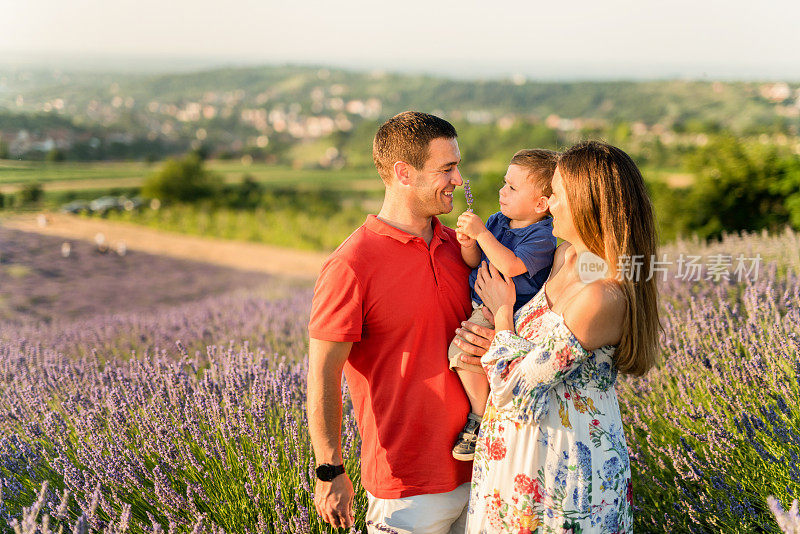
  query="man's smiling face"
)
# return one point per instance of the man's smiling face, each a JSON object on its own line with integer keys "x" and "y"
{"x": 435, "y": 182}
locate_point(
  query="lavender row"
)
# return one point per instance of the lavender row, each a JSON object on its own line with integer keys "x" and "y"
{"x": 713, "y": 431}
{"x": 216, "y": 436}
{"x": 160, "y": 443}
{"x": 270, "y": 317}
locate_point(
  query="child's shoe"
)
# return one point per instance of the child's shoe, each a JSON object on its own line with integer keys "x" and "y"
{"x": 464, "y": 448}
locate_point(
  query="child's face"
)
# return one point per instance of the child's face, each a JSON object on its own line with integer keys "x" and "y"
{"x": 519, "y": 197}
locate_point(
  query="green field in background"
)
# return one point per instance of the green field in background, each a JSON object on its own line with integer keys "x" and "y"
{"x": 129, "y": 174}
{"x": 18, "y": 173}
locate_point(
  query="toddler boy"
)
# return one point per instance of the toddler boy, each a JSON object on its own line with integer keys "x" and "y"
{"x": 519, "y": 242}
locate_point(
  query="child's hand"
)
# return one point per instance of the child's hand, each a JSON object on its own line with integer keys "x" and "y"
{"x": 470, "y": 225}
{"x": 464, "y": 240}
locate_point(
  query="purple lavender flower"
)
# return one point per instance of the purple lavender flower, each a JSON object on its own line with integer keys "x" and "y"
{"x": 132, "y": 425}
{"x": 468, "y": 194}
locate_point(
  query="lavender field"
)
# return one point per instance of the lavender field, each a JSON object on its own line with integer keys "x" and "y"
{"x": 189, "y": 417}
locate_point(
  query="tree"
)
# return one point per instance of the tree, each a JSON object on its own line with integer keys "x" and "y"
{"x": 788, "y": 186}
{"x": 3, "y": 150}
{"x": 183, "y": 180}
{"x": 55, "y": 155}
{"x": 738, "y": 187}
{"x": 247, "y": 194}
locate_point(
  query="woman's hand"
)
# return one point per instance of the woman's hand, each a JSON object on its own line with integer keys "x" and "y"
{"x": 494, "y": 289}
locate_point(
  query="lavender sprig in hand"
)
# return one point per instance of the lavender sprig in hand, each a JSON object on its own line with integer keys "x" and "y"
{"x": 468, "y": 194}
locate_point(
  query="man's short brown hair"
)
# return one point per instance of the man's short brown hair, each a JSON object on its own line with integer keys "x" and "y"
{"x": 407, "y": 137}
{"x": 540, "y": 164}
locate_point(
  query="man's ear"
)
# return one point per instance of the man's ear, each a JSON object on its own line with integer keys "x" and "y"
{"x": 402, "y": 172}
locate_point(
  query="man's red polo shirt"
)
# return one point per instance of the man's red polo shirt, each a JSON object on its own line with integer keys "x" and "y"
{"x": 400, "y": 302}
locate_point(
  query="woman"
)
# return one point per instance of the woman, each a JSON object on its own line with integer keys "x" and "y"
{"x": 552, "y": 454}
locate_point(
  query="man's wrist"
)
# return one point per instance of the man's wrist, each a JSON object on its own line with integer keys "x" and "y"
{"x": 328, "y": 472}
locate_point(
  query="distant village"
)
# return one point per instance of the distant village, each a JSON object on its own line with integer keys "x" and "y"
{"x": 235, "y": 122}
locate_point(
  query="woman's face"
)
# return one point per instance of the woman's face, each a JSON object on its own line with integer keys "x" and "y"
{"x": 563, "y": 226}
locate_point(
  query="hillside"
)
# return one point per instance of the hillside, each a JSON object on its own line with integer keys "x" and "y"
{"x": 266, "y": 111}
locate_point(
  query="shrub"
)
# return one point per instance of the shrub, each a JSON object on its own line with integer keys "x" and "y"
{"x": 31, "y": 193}
{"x": 182, "y": 180}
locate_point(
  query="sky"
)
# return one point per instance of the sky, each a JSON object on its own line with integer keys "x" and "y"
{"x": 574, "y": 39}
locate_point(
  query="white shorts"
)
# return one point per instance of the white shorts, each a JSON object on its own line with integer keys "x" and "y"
{"x": 434, "y": 513}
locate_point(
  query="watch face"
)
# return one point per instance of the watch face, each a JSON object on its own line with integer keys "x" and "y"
{"x": 325, "y": 472}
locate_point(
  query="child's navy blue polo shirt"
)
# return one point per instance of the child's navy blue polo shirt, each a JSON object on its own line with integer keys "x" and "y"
{"x": 534, "y": 245}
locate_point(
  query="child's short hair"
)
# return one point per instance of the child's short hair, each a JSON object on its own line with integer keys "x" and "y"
{"x": 540, "y": 164}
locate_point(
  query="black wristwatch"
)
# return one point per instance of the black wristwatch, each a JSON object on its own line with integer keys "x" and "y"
{"x": 327, "y": 472}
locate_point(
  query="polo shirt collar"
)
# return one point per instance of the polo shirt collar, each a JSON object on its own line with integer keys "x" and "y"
{"x": 504, "y": 221}
{"x": 376, "y": 225}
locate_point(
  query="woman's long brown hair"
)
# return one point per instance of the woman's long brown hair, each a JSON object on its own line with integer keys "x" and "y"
{"x": 614, "y": 217}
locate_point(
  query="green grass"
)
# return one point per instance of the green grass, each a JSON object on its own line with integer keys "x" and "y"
{"x": 22, "y": 172}
{"x": 19, "y": 173}
{"x": 286, "y": 227}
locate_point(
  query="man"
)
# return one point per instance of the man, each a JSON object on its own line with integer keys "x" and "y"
{"x": 386, "y": 304}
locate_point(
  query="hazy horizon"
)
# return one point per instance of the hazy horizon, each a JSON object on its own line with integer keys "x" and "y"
{"x": 565, "y": 71}
{"x": 698, "y": 39}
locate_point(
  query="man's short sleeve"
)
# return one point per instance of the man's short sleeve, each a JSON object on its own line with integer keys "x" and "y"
{"x": 536, "y": 250}
{"x": 336, "y": 309}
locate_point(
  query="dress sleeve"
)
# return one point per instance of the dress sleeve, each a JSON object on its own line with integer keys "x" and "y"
{"x": 521, "y": 373}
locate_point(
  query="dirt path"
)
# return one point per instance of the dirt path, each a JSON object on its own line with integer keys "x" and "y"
{"x": 236, "y": 254}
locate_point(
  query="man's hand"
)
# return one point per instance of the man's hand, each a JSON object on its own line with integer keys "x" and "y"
{"x": 474, "y": 339}
{"x": 334, "y": 501}
{"x": 470, "y": 225}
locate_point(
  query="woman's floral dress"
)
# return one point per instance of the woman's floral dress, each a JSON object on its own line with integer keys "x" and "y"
{"x": 551, "y": 455}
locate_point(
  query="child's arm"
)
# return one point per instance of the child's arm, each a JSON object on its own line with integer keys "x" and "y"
{"x": 501, "y": 257}
{"x": 470, "y": 251}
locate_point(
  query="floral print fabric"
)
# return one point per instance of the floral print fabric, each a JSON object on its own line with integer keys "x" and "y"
{"x": 551, "y": 455}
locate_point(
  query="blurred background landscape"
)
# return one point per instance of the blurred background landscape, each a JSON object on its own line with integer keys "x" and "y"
{"x": 289, "y": 147}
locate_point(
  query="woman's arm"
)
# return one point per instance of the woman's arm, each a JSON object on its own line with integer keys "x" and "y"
{"x": 521, "y": 372}
{"x": 596, "y": 314}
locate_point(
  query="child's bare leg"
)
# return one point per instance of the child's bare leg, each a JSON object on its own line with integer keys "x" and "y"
{"x": 477, "y": 388}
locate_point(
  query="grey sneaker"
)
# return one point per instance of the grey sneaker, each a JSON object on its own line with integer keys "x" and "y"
{"x": 464, "y": 449}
